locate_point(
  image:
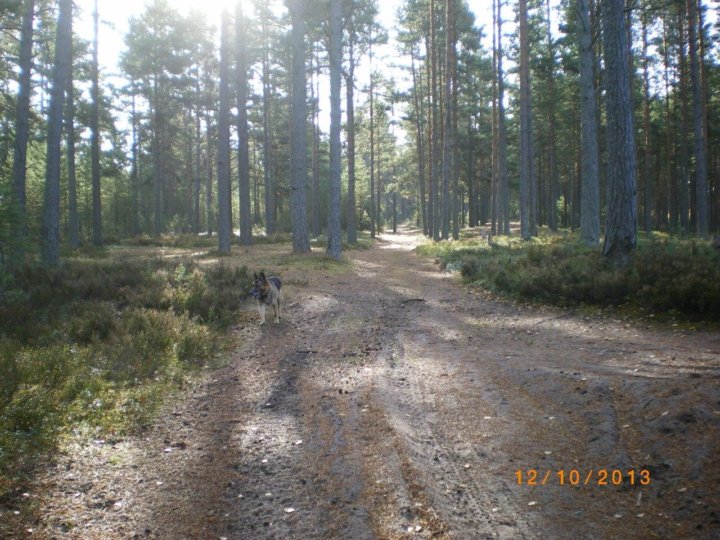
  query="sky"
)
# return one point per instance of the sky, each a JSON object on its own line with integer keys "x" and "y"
{"x": 114, "y": 15}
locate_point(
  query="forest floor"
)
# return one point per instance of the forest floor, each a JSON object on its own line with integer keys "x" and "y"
{"x": 393, "y": 402}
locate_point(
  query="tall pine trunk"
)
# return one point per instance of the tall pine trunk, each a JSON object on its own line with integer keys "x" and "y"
{"x": 590, "y": 198}
{"x": 135, "y": 168}
{"x": 419, "y": 132}
{"x": 315, "y": 229}
{"x": 699, "y": 133}
{"x": 224, "y": 224}
{"x": 22, "y": 124}
{"x": 350, "y": 106}
{"x": 621, "y": 223}
{"x": 97, "y": 233}
{"x": 198, "y": 158}
{"x": 448, "y": 141}
{"x": 62, "y": 70}
{"x": 503, "y": 185}
{"x": 435, "y": 130}
{"x": 648, "y": 191}
{"x": 335, "y": 56}
{"x": 209, "y": 206}
{"x": 267, "y": 143}
{"x": 158, "y": 214}
{"x": 371, "y": 99}
{"x": 526, "y": 165}
{"x": 552, "y": 125}
{"x": 684, "y": 172}
{"x": 495, "y": 188}
{"x": 73, "y": 219}
{"x": 242, "y": 126}
{"x": 298, "y": 129}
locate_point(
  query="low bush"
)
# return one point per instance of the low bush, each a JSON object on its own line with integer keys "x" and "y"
{"x": 97, "y": 343}
{"x": 184, "y": 241}
{"x": 679, "y": 276}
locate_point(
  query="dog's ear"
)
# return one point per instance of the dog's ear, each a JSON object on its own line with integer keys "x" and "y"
{"x": 255, "y": 276}
{"x": 262, "y": 276}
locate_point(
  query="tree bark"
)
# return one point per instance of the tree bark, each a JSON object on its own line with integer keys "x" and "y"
{"x": 73, "y": 219}
{"x": 223, "y": 158}
{"x": 267, "y": 142}
{"x": 552, "y": 126}
{"x": 198, "y": 158}
{"x": 209, "y": 141}
{"x": 298, "y": 129}
{"x": 435, "y": 131}
{"x": 590, "y": 196}
{"x": 62, "y": 70}
{"x": 621, "y": 223}
{"x": 684, "y": 169}
{"x": 648, "y": 191}
{"x": 22, "y": 124}
{"x": 135, "y": 168}
{"x": 334, "y": 246}
{"x": 448, "y": 141}
{"x": 419, "y": 132}
{"x": 350, "y": 121}
{"x": 525, "y": 126}
{"x": 503, "y": 186}
{"x": 315, "y": 228}
{"x": 495, "y": 180}
{"x": 371, "y": 98}
{"x": 97, "y": 234}
{"x": 699, "y": 133}
{"x": 242, "y": 126}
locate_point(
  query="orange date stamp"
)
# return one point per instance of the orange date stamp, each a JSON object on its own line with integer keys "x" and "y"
{"x": 576, "y": 477}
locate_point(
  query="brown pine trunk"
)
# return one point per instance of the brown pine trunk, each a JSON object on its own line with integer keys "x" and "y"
{"x": 62, "y": 70}
{"x": 699, "y": 133}
{"x": 620, "y": 228}
{"x": 224, "y": 224}
{"x": 97, "y": 235}
{"x": 22, "y": 125}
{"x": 243, "y": 156}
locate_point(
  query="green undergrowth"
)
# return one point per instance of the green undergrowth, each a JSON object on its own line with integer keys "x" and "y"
{"x": 96, "y": 344}
{"x": 363, "y": 242}
{"x": 188, "y": 241}
{"x": 666, "y": 277}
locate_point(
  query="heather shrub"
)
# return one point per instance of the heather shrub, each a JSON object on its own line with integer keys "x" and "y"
{"x": 97, "y": 342}
{"x": 678, "y": 276}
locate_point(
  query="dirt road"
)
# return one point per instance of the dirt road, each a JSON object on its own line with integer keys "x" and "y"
{"x": 393, "y": 403}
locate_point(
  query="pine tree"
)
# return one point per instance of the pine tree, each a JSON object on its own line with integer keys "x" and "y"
{"x": 526, "y": 151}
{"x": 699, "y": 132}
{"x": 335, "y": 55}
{"x": 22, "y": 122}
{"x": 62, "y": 70}
{"x": 620, "y": 227}
{"x": 242, "y": 125}
{"x": 73, "y": 218}
{"x": 97, "y": 235}
{"x": 590, "y": 203}
{"x": 224, "y": 224}
{"x": 298, "y": 158}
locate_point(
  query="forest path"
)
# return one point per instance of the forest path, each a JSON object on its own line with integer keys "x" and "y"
{"x": 391, "y": 402}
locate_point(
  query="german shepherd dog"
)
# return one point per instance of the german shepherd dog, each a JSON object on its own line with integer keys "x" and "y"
{"x": 267, "y": 291}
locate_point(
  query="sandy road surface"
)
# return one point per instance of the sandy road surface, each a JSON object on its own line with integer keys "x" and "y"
{"x": 392, "y": 403}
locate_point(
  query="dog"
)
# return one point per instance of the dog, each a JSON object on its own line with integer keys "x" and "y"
{"x": 267, "y": 291}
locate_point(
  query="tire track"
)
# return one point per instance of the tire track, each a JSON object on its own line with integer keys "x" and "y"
{"x": 468, "y": 506}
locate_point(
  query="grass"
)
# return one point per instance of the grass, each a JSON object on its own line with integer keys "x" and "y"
{"x": 666, "y": 276}
{"x": 97, "y": 344}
